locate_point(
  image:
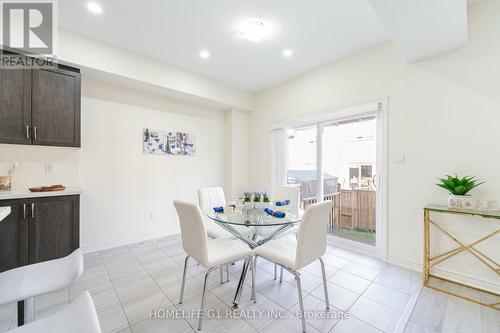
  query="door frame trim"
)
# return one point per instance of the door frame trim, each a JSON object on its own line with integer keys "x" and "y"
{"x": 380, "y": 107}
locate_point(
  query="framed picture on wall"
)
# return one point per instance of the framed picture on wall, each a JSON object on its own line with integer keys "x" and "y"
{"x": 169, "y": 143}
{"x": 179, "y": 143}
{"x": 153, "y": 141}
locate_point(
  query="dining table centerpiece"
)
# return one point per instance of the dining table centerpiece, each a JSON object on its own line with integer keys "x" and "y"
{"x": 257, "y": 200}
{"x": 247, "y": 199}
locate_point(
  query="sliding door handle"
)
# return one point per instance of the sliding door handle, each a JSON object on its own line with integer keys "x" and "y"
{"x": 24, "y": 211}
{"x": 28, "y": 132}
{"x": 34, "y": 133}
{"x": 32, "y": 210}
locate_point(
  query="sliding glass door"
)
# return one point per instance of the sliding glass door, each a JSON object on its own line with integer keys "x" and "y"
{"x": 344, "y": 171}
{"x": 349, "y": 162}
{"x": 302, "y": 161}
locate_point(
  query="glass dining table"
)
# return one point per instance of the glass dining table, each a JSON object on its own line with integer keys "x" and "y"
{"x": 247, "y": 225}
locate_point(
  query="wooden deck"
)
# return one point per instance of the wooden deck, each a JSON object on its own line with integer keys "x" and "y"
{"x": 352, "y": 209}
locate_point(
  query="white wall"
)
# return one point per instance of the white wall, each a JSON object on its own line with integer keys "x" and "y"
{"x": 237, "y": 141}
{"x": 443, "y": 114}
{"x": 121, "y": 185}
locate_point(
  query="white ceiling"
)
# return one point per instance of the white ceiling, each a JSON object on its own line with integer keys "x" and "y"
{"x": 174, "y": 31}
{"x": 424, "y": 28}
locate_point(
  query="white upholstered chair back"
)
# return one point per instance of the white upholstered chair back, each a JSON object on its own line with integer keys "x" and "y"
{"x": 289, "y": 192}
{"x": 211, "y": 197}
{"x": 311, "y": 237}
{"x": 193, "y": 231}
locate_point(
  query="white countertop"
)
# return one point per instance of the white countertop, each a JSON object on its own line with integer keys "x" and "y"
{"x": 28, "y": 194}
{"x": 4, "y": 212}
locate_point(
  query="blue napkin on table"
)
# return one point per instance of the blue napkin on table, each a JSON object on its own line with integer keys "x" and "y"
{"x": 283, "y": 203}
{"x": 275, "y": 214}
{"x": 221, "y": 209}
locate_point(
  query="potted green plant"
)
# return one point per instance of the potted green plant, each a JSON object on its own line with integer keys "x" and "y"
{"x": 458, "y": 189}
{"x": 257, "y": 199}
{"x": 247, "y": 199}
{"x": 265, "y": 200}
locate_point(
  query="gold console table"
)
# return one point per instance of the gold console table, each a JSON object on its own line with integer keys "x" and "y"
{"x": 431, "y": 261}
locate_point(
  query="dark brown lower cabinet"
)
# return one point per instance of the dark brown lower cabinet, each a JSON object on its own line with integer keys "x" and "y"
{"x": 13, "y": 236}
{"x": 38, "y": 229}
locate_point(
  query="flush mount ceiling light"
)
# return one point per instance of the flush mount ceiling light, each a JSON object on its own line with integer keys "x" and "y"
{"x": 287, "y": 53}
{"x": 204, "y": 54}
{"x": 254, "y": 30}
{"x": 94, "y": 8}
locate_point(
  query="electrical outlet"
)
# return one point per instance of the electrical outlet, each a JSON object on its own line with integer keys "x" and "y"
{"x": 49, "y": 168}
{"x": 152, "y": 215}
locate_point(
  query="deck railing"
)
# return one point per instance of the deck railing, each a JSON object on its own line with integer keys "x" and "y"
{"x": 352, "y": 209}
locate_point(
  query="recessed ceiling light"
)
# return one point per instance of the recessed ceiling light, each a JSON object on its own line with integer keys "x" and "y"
{"x": 287, "y": 53}
{"x": 204, "y": 54}
{"x": 94, "y": 7}
{"x": 254, "y": 30}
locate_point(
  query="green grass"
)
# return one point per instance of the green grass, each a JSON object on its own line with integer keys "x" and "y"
{"x": 365, "y": 236}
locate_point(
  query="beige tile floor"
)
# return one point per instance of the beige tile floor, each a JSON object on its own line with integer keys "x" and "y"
{"x": 128, "y": 281}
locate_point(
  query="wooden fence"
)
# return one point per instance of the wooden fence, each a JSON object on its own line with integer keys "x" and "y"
{"x": 352, "y": 209}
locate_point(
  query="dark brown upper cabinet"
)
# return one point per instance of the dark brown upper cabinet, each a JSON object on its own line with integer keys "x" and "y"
{"x": 15, "y": 106}
{"x": 40, "y": 106}
{"x": 56, "y": 107}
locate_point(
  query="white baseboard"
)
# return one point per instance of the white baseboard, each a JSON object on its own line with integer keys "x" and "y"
{"x": 408, "y": 264}
{"x": 123, "y": 241}
{"x": 467, "y": 279}
{"x": 453, "y": 275}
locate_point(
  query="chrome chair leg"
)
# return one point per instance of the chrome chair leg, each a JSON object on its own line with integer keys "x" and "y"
{"x": 227, "y": 273}
{"x": 29, "y": 310}
{"x": 203, "y": 297}
{"x": 221, "y": 275}
{"x": 301, "y": 303}
{"x": 281, "y": 274}
{"x": 275, "y": 269}
{"x": 183, "y": 284}
{"x": 325, "y": 287}
{"x": 254, "y": 272}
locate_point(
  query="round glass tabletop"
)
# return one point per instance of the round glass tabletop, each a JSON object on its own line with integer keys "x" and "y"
{"x": 254, "y": 217}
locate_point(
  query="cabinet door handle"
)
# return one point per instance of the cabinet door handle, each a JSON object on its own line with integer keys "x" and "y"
{"x": 32, "y": 210}
{"x": 34, "y": 133}
{"x": 28, "y": 132}
{"x": 24, "y": 211}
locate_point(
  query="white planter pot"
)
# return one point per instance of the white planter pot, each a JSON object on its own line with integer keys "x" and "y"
{"x": 462, "y": 202}
{"x": 467, "y": 202}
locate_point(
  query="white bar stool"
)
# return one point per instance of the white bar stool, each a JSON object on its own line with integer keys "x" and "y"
{"x": 26, "y": 282}
{"x": 79, "y": 317}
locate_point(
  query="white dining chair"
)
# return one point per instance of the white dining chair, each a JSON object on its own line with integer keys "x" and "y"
{"x": 287, "y": 192}
{"x": 79, "y": 317}
{"x": 309, "y": 246}
{"x": 26, "y": 282}
{"x": 208, "y": 198}
{"x": 209, "y": 253}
